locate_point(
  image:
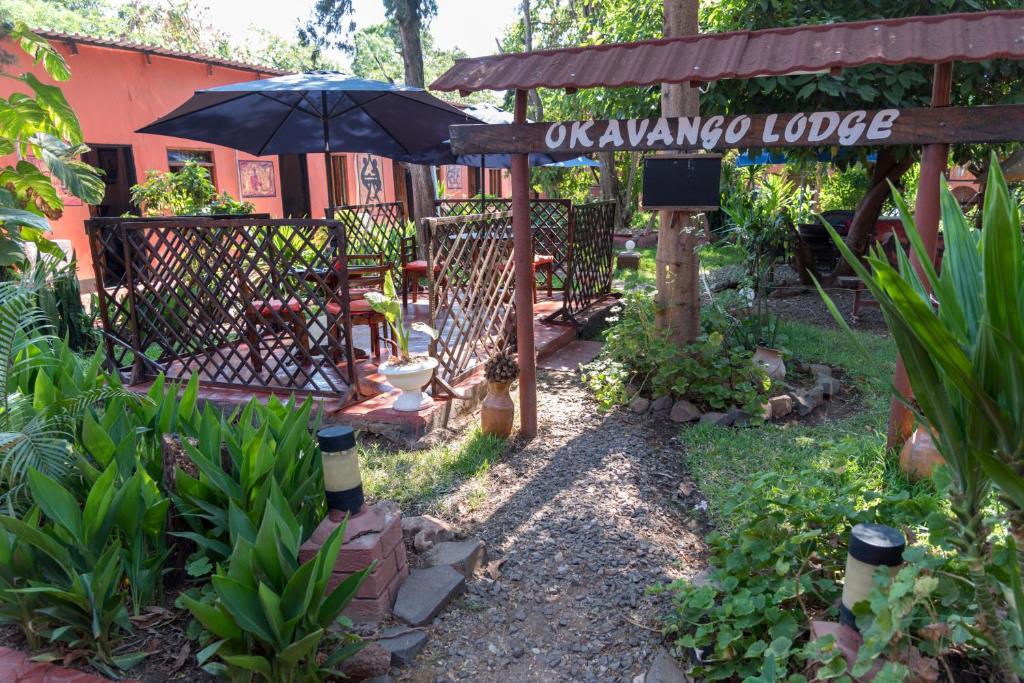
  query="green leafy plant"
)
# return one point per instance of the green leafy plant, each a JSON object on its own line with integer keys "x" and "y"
{"x": 46, "y": 389}
{"x": 41, "y": 126}
{"x": 239, "y": 461}
{"x": 389, "y": 305}
{"x": 965, "y": 361}
{"x": 638, "y": 357}
{"x": 65, "y": 583}
{"x": 779, "y": 561}
{"x": 187, "y": 192}
{"x": 269, "y": 613}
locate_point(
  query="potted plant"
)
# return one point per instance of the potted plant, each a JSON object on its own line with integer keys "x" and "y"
{"x": 403, "y": 371}
{"x": 498, "y": 411}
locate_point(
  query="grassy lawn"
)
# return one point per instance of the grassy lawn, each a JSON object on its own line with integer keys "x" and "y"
{"x": 712, "y": 256}
{"x": 719, "y": 458}
{"x": 423, "y": 477}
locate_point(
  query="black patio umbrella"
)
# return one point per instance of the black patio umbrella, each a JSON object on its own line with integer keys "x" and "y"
{"x": 318, "y": 111}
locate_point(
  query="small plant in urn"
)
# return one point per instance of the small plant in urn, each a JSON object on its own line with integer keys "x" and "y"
{"x": 498, "y": 411}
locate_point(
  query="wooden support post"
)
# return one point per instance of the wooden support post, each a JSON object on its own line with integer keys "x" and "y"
{"x": 523, "y": 256}
{"x": 934, "y": 158}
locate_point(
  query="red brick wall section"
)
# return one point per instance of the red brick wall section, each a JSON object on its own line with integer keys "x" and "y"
{"x": 377, "y": 594}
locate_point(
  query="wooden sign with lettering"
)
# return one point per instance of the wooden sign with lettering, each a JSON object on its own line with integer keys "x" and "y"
{"x": 1002, "y": 123}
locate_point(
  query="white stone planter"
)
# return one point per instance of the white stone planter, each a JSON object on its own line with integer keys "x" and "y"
{"x": 410, "y": 378}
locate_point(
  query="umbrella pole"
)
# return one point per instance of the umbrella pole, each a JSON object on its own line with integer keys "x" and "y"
{"x": 483, "y": 200}
{"x": 328, "y": 166}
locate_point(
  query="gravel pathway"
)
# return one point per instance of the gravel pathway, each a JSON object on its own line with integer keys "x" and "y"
{"x": 578, "y": 523}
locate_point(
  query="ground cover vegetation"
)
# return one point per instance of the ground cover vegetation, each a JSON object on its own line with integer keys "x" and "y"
{"x": 114, "y": 504}
{"x": 784, "y": 498}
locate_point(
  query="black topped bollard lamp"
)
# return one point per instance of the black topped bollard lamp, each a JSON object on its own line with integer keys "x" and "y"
{"x": 871, "y": 546}
{"x": 343, "y": 484}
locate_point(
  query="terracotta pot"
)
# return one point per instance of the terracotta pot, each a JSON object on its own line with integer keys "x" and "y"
{"x": 410, "y": 378}
{"x": 919, "y": 455}
{"x": 770, "y": 360}
{"x": 498, "y": 410}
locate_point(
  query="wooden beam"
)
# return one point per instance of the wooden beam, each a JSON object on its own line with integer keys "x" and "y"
{"x": 997, "y": 123}
{"x": 522, "y": 239}
{"x": 934, "y": 159}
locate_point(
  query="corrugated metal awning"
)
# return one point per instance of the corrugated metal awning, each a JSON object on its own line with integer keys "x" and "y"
{"x": 969, "y": 37}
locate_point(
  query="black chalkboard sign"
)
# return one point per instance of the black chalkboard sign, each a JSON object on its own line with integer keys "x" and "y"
{"x": 682, "y": 181}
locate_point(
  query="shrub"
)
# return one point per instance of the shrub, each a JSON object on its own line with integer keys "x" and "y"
{"x": 187, "y": 192}
{"x": 239, "y": 461}
{"x": 779, "y": 564}
{"x": 61, "y": 576}
{"x": 639, "y": 358}
{"x": 268, "y": 613}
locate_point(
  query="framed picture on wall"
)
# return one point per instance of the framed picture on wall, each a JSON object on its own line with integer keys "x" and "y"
{"x": 453, "y": 177}
{"x": 257, "y": 178}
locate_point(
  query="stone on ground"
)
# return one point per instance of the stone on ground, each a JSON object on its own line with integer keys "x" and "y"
{"x": 465, "y": 556}
{"x": 830, "y": 386}
{"x": 639, "y": 405}
{"x": 661, "y": 403}
{"x": 665, "y": 669}
{"x": 807, "y": 401}
{"x": 738, "y": 417}
{"x": 426, "y": 592}
{"x": 718, "y": 419}
{"x": 425, "y": 531}
{"x": 370, "y": 662}
{"x": 781, "y": 406}
{"x": 684, "y": 411}
{"x": 403, "y": 643}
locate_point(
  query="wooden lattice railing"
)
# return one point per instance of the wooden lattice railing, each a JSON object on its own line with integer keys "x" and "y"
{"x": 550, "y": 222}
{"x": 374, "y": 229}
{"x": 590, "y": 256}
{"x": 241, "y": 302}
{"x": 471, "y": 291}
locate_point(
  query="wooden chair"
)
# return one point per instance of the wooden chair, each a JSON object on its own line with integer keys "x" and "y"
{"x": 545, "y": 265}
{"x": 361, "y": 314}
{"x": 412, "y": 270}
{"x": 273, "y": 314}
{"x": 365, "y": 274}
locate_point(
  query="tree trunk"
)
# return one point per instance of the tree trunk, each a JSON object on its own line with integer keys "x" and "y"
{"x": 887, "y": 170}
{"x": 609, "y": 180}
{"x": 535, "y": 103}
{"x": 677, "y": 266}
{"x": 423, "y": 194}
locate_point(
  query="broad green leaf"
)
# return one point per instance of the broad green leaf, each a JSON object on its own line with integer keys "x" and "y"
{"x": 213, "y": 619}
{"x": 56, "y": 502}
{"x": 96, "y": 440}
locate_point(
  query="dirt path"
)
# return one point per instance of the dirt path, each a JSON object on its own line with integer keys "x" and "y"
{"x": 585, "y": 517}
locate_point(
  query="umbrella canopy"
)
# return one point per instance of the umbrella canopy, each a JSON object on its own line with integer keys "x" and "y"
{"x": 318, "y": 111}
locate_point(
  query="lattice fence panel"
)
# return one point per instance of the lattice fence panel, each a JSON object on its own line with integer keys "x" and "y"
{"x": 375, "y": 229}
{"x": 549, "y": 223}
{"x": 590, "y": 255}
{"x": 242, "y": 302}
{"x": 471, "y": 293}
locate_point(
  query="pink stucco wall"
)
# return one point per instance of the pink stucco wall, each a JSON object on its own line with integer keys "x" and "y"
{"x": 115, "y": 91}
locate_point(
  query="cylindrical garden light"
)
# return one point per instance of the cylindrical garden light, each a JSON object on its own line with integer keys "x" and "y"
{"x": 343, "y": 484}
{"x": 871, "y": 546}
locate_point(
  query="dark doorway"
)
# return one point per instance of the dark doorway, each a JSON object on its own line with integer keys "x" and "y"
{"x": 294, "y": 186}
{"x": 118, "y": 166}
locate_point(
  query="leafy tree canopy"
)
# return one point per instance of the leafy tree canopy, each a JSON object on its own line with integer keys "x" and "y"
{"x": 177, "y": 24}
{"x": 872, "y": 86}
